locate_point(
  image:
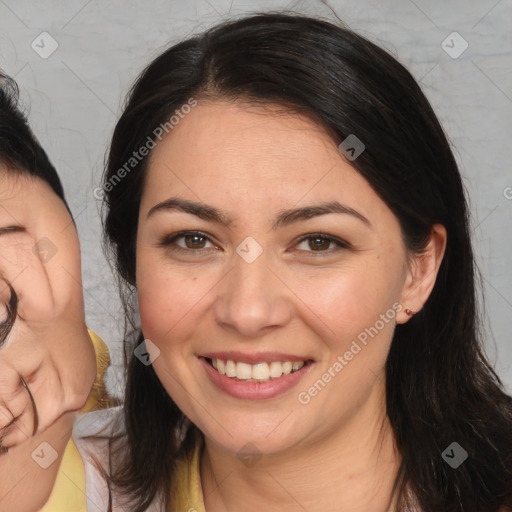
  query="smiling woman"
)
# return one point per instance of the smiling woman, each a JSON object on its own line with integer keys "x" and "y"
{"x": 310, "y": 192}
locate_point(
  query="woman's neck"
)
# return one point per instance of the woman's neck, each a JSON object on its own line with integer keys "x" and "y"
{"x": 352, "y": 470}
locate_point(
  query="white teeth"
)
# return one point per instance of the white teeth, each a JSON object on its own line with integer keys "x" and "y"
{"x": 243, "y": 371}
{"x": 261, "y": 372}
{"x": 287, "y": 367}
{"x": 276, "y": 369}
{"x": 230, "y": 368}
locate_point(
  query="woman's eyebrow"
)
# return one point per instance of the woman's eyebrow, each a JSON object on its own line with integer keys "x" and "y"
{"x": 284, "y": 218}
{"x": 287, "y": 217}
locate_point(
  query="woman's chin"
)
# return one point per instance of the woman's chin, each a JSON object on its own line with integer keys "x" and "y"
{"x": 254, "y": 443}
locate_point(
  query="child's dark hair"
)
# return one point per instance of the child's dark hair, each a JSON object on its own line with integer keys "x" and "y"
{"x": 20, "y": 151}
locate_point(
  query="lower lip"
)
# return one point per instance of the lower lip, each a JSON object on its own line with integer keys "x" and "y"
{"x": 254, "y": 390}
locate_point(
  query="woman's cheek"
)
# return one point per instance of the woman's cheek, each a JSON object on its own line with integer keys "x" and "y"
{"x": 155, "y": 313}
{"x": 341, "y": 298}
{"x": 164, "y": 302}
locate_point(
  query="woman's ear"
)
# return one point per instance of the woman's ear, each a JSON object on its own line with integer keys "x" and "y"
{"x": 421, "y": 274}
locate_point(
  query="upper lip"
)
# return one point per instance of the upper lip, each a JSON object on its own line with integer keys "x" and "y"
{"x": 254, "y": 357}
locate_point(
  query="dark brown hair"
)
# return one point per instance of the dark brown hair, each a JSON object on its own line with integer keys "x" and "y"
{"x": 440, "y": 387}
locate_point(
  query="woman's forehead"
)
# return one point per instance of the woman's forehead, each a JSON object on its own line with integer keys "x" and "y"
{"x": 224, "y": 128}
{"x": 222, "y": 143}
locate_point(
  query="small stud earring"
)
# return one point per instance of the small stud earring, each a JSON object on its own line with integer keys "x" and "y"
{"x": 408, "y": 312}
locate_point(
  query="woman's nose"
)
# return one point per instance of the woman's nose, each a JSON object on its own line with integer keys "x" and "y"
{"x": 252, "y": 299}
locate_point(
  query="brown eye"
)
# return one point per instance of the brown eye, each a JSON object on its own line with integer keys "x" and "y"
{"x": 190, "y": 241}
{"x": 320, "y": 243}
{"x": 194, "y": 241}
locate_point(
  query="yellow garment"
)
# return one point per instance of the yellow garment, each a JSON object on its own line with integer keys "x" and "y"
{"x": 98, "y": 398}
{"x": 188, "y": 494}
{"x": 68, "y": 493}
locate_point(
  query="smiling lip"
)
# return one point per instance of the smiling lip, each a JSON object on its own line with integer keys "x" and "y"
{"x": 251, "y": 390}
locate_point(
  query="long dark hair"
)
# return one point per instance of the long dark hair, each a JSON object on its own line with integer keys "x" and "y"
{"x": 440, "y": 387}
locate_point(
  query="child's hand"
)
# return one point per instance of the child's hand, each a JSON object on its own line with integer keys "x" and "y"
{"x": 47, "y": 361}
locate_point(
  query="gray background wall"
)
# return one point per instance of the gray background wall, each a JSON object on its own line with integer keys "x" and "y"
{"x": 74, "y": 97}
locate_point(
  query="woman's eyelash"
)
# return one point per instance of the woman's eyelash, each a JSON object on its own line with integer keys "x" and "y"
{"x": 169, "y": 241}
{"x": 342, "y": 244}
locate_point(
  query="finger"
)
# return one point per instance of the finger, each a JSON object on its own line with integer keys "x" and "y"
{"x": 22, "y": 269}
{"x": 27, "y": 353}
{"x": 12, "y": 396}
{"x": 16, "y": 432}
{"x": 59, "y": 249}
{"x": 17, "y": 417}
{"x": 47, "y": 280}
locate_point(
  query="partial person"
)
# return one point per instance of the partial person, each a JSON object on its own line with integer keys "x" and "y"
{"x": 51, "y": 365}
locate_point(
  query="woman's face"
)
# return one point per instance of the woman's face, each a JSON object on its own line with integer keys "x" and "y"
{"x": 261, "y": 251}
{"x": 48, "y": 344}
